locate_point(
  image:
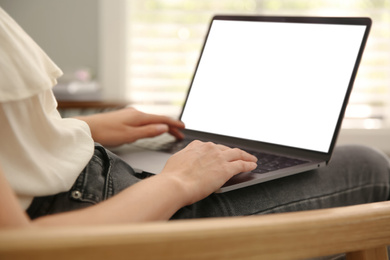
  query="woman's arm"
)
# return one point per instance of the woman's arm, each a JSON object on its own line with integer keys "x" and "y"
{"x": 128, "y": 125}
{"x": 189, "y": 176}
{"x": 11, "y": 214}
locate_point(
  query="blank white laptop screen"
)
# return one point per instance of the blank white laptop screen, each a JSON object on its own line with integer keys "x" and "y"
{"x": 281, "y": 83}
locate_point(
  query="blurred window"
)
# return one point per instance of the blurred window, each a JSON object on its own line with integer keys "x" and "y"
{"x": 165, "y": 38}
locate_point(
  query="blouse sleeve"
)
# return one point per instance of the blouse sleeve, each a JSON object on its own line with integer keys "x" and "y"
{"x": 25, "y": 69}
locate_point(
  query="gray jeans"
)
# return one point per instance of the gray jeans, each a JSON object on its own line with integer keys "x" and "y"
{"x": 355, "y": 175}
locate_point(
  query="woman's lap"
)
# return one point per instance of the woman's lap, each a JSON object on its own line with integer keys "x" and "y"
{"x": 355, "y": 175}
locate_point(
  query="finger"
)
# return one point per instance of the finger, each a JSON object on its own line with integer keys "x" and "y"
{"x": 208, "y": 145}
{"x": 238, "y": 154}
{"x": 230, "y": 154}
{"x": 223, "y": 147}
{"x": 158, "y": 119}
{"x": 242, "y": 166}
{"x": 176, "y": 133}
{"x": 141, "y": 118}
{"x": 195, "y": 143}
{"x": 147, "y": 131}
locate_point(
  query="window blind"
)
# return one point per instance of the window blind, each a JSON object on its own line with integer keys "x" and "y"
{"x": 165, "y": 38}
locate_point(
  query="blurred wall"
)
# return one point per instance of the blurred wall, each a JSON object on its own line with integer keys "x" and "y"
{"x": 67, "y": 30}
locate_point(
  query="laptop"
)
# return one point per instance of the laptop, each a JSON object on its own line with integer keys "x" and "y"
{"x": 275, "y": 86}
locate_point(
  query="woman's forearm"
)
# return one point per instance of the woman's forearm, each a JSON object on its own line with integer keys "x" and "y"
{"x": 156, "y": 198}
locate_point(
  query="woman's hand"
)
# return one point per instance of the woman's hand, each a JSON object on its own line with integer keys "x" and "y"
{"x": 202, "y": 168}
{"x": 128, "y": 125}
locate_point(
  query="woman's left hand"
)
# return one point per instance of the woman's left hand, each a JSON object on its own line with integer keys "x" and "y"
{"x": 128, "y": 125}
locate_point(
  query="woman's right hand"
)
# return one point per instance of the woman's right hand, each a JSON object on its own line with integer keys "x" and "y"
{"x": 202, "y": 168}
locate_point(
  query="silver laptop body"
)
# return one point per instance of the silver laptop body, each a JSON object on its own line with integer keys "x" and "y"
{"x": 270, "y": 85}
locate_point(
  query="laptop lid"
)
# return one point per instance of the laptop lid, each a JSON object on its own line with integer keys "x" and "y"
{"x": 275, "y": 81}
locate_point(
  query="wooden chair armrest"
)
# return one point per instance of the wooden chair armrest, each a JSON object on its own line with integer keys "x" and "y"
{"x": 363, "y": 230}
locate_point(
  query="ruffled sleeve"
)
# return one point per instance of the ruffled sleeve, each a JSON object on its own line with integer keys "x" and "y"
{"x": 25, "y": 69}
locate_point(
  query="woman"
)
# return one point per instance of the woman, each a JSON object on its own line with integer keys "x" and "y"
{"x": 56, "y": 171}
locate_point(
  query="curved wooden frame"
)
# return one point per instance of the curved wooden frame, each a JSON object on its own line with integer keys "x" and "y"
{"x": 363, "y": 231}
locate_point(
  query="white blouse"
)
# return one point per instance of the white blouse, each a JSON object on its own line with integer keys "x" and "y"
{"x": 40, "y": 152}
